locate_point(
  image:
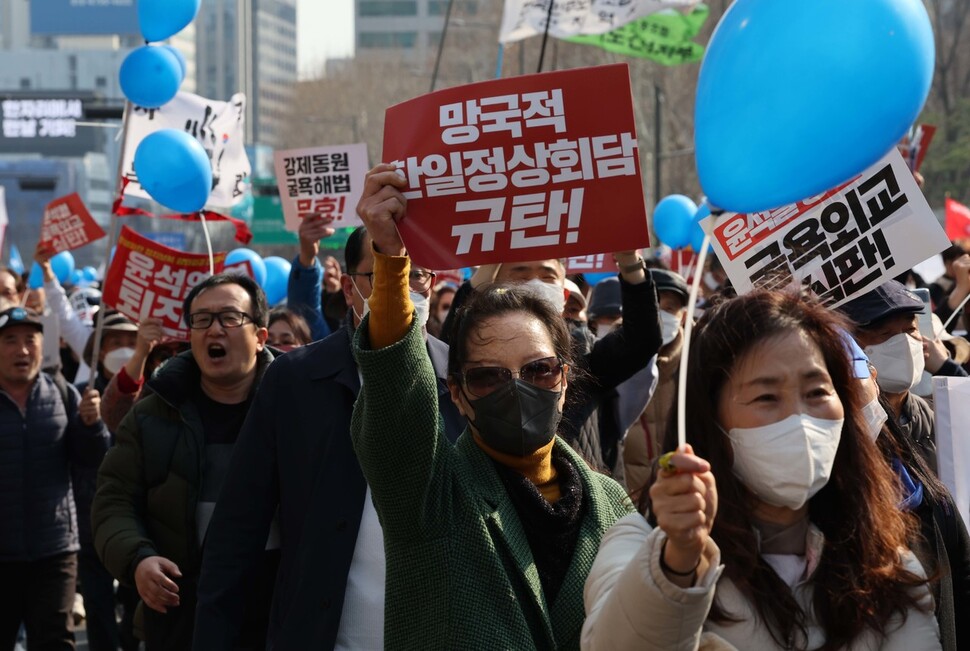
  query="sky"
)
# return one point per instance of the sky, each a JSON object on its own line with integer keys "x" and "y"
{"x": 324, "y": 29}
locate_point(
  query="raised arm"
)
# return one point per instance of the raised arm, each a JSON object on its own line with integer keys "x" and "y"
{"x": 305, "y": 284}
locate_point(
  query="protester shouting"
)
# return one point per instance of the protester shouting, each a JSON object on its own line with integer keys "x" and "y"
{"x": 158, "y": 486}
{"x": 46, "y": 427}
{"x": 294, "y": 456}
{"x": 489, "y": 541}
{"x": 778, "y": 528}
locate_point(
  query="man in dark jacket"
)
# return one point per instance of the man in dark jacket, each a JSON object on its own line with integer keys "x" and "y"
{"x": 45, "y": 427}
{"x": 158, "y": 486}
{"x": 295, "y": 455}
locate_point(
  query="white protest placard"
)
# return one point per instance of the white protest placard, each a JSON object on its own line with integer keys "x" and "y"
{"x": 218, "y": 126}
{"x": 525, "y": 18}
{"x": 951, "y": 409}
{"x": 841, "y": 243}
{"x": 321, "y": 181}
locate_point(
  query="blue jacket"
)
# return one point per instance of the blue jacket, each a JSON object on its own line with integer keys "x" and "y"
{"x": 303, "y": 292}
{"x": 294, "y": 454}
{"x": 37, "y": 515}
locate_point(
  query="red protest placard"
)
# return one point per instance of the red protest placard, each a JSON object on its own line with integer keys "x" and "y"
{"x": 525, "y": 168}
{"x": 147, "y": 279}
{"x": 587, "y": 264}
{"x": 68, "y": 225}
{"x": 243, "y": 268}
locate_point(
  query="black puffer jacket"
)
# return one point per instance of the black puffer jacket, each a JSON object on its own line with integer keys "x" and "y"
{"x": 37, "y": 450}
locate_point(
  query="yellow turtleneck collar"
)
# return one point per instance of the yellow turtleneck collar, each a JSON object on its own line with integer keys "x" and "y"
{"x": 536, "y": 467}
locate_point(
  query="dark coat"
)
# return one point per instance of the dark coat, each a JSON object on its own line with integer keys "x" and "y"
{"x": 294, "y": 455}
{"x": 149, "y": 482}
{"x": 37, "y": 514}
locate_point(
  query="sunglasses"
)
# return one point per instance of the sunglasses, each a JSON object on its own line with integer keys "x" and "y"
{"x": 542, "y": 373}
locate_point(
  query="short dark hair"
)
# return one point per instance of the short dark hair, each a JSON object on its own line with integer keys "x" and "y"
{"x": 499, "y": 299}
{"x": 256, "y": 295}
{"x": 296, "y": 322}
{"x": 354, "y": 249}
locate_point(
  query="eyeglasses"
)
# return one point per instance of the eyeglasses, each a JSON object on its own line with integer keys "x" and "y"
{"x": 543, "y": 373}
{"x": 227, "y": 319}
{"x": 419, "y": 280}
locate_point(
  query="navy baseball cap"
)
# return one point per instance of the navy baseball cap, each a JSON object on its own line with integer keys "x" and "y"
{"x": 669, "y": 281}
{"x": 889, "y": 299}
{"x": 606, "y": 300}
{"x": 13, "y": 316}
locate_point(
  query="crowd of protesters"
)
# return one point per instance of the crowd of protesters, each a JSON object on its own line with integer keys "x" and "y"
{"x": 389, "y": 461}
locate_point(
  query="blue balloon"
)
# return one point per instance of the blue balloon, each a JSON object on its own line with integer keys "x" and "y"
{"x": 178, "y": 55}
{"x": 672, "y": 220}
{"x": 277, "y": 278}
{"x": 255, "y": 263}
{"x": 161, "y": 19}
{"x": 795, "y": 98}
{"x": 77, "y": 277}
{"x": 150, "y": 76}
{"x": 90, "y": 274}
{"x": 696, "y": 232}
{"x": 63, "y": 266}
{"x": 36, "y": 278}
{"x": 174, "y": 170}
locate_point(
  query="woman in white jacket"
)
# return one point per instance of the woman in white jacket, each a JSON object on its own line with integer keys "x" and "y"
{"x": 783, "y": 531}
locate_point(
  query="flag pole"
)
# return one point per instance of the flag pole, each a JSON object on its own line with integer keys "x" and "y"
{"x": 112, "y": 241}
{"x": 441, "y": 45}
{"x": 208, "y": 243}
{"x": 545, "y": 34}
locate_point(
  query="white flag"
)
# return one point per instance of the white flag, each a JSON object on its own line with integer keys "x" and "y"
{"x": 525, "y": 18}
{"x": 217, "y": 125}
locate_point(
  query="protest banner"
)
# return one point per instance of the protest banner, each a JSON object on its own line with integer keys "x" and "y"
{"x": 243, "y": 268}
{"x": 665, "y": 37}
{"x": 525, "y": 18}
{"x": 957, "y": 220}
{"x": 588, "y": 264}
{"x": 520, "y": 169}
{"x": 68, "y": 225}
{"x": 951, "y": 409}
{"x": 841, "y": 243}
{"x": 148, "y": 279}
{"x": 321, "y": 181}
{"x": 914, "y": 145}
{"x": 217, "y": 125}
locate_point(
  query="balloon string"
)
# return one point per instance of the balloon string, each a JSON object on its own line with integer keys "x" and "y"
{"x": 685, "y": 355}
{"x": 208, "y": 243}
{"x": 956, "y": 312}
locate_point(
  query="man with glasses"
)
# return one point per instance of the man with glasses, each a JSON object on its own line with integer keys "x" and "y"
{"x": 157, "y": 487}
{"x": 295, "y": 456}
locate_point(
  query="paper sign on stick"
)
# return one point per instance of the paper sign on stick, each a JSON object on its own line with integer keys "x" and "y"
{"x": 68, "y": 225}
{"x": 321, "y": 180}
{"x": 951, "y": 400}
{"x": 148, "y": 279}
{"x": 841, "y": 243}
{"x": 518, "y": 169}
{"x": 525, "y": 18}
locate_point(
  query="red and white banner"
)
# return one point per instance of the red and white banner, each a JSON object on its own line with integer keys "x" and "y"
{"x": 518, "y": 169}
{"x": 913, "y": 147}
{"x": 321, "y": 181}
{"x": 957, "y": 220}
{"x": 841, "y": 243}
{"x": 242, "y": 268}
{"x": 147, "y": 279}
{"x": 68, "y": 225}
{"x": 589, "y": 264}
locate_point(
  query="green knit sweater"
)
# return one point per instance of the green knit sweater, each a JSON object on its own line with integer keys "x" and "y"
{"x": 460, "y": 573}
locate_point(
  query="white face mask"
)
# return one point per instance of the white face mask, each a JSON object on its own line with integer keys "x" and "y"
{"x": 548, "y": 292}
{"x": 117, "y": 358}
{"x": 899, "y": 362}
{"x": 787, "y": 462}
{"x": 603, "y": 329}
{"x": 422, "y": 308}
{"x": 875, "y": 417}
{"x": 669, "y": 326}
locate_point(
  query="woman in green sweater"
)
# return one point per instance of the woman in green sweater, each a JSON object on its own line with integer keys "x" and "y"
{"x": 489, "y": 541}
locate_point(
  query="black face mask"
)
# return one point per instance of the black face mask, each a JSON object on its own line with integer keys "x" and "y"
{"x": 583, "y": 337}
{"x": 517, "y": 418}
